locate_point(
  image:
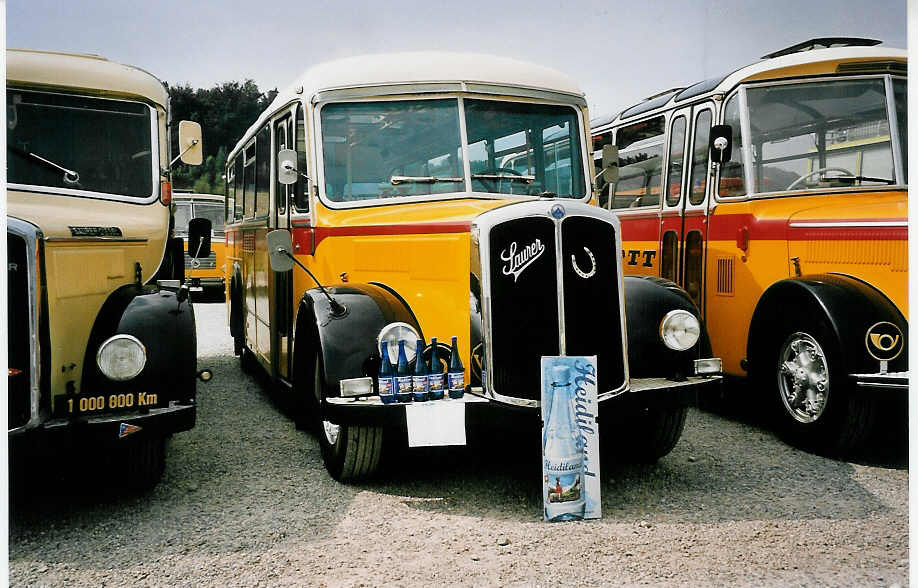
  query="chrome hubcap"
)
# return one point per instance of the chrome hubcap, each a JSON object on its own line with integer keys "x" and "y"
{"x": 803, "y": 378}
{"x": 331, "y": 432}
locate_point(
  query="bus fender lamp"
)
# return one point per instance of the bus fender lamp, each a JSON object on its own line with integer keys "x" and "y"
{"x": 721, "y": 145}
{"x": 279, "y": 246}
{"x": 165, "y": 192}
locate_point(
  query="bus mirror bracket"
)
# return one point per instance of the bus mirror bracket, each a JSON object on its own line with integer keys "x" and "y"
{"x": 610, "y": 163}
{"x": 286, "y": 167}
{"x": 280, "y": 245}
{"x": 192, "y": 149}
{"x": 199, "y": 237}
{"x": 721, "y": 143}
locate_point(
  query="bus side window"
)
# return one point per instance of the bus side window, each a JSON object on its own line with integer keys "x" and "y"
{"x": 248, "y": 181}
{"x": 237, "y": 185}
{"x": 640, "y": 164}
{"x": 281, "y": 132}
{"x": 262, "y": 171}
{"x": 300, "y": 188}
{"x": 230, "y": 200}
{"x": 599, "y": 141}
{"x": 731, "y": 172}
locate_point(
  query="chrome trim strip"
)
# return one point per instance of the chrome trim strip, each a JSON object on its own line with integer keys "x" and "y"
{"x": 559, "y": 280}
{"x": 32, "y": 237}
{"x": 893, "y": 119}
{"x": 882, "y": 385}
{"x": 850, "y": 224}
{"x": 95, "y": 239}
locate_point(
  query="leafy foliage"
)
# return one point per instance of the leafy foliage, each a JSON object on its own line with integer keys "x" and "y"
{"x": 224, "y": 112}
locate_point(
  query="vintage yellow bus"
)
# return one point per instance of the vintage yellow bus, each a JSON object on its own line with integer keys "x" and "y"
{"x": 205, "y": 274}
{"x": 102, "y": 358}
{"x": 443, "y": 195}
{"x": 794, "y": 247}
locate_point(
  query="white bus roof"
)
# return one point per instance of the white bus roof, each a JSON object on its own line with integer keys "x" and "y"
{"x": 91, "y": 74}
{"x": 804, "y": 63}
{"x": 422, "y": 72}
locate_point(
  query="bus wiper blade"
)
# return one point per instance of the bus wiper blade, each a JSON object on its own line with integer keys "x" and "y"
{"x": 511, "y": 177}
{"x": 70, "y": 176}
{"x": 852, "y": 179}
{"x": 396, "y": 180}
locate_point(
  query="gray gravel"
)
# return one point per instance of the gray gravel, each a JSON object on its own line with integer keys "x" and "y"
{"x": 246, "y": 501}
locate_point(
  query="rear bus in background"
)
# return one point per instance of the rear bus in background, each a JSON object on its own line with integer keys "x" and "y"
{"x": 443, "y": 195}
{"x": 102, "y": 356}
{"x": 793, "y": 240}
{"x": 205, "y": 274}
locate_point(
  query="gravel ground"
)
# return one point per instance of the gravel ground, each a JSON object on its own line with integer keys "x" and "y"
{"x": 246, "y": 501}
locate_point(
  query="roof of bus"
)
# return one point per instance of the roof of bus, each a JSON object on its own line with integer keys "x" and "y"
{"x": 447, "y": 70}
{"x": 804, "y": 63}
{"x": 92, "y": 74}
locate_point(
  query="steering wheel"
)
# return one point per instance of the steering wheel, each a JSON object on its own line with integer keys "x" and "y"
{"x": 815, "y": 172}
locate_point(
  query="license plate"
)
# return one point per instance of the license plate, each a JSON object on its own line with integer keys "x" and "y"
{"x": 82, "y": 404}
{"x": 435, "y": 423}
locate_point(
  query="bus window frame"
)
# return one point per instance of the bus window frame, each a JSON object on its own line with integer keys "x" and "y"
{"x": 666, "y": 115}
{"x": 281, "y": 191}
{"x": 155, "y": 155}
{"x": 746, "y": 130}
{"x": 249, "y": 163}
{"x": 583, "y": 131}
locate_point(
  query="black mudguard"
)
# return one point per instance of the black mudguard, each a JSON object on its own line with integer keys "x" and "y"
{"x": 167, "y": 330}
{"x": 347, "y": 342}
{"x": 848, "y": 305}
{"x": 647, "y": 300}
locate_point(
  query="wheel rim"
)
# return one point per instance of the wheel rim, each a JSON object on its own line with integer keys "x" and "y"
{"x": 331, "y": 431}
{"x": 803, "y": 378}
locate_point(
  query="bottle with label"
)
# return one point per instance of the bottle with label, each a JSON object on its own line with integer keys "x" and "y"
{"x": 435, "y": 375}
{"x": 419, "y": 379}
{"x": 385, "y": 377}
{"x": 403, "y": 390}
{"x": 456, "y": 374}
{"x": 562, "y": 454}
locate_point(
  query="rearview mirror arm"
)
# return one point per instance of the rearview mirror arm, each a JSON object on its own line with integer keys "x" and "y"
{"x": 193, "y": 143}
{"x": 338, "y": 309}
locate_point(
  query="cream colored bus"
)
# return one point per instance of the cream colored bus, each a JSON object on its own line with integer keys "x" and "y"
{"x": 102, "y": 358}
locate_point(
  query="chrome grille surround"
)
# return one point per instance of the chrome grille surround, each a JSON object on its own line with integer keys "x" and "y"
{"x": 481, "y": 257}
{"x": 32, "y": 237}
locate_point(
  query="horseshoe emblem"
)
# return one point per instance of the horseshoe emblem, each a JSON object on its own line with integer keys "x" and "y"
{"x": 580, "y": 272}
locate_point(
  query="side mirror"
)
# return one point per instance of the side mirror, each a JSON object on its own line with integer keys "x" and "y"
{"x": 191, "y": 149}
{"x": 610, "y": 163}
{"x": 286, "y": 166}
{"x": 721, "y": 143}
{"x": 279, "y": 250}
{"x": 199, "y": 237}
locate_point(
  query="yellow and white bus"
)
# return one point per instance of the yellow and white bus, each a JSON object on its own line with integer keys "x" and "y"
{"x": 206, "y": 274}
{"x": 794, "y": 247}
{"x": 442, "y": 195}
{"x": 102, "y": 357}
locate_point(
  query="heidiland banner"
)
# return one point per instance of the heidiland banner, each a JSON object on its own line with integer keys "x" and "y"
{"x": 570, "y": 439}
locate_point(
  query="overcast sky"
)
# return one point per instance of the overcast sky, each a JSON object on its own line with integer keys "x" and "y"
{"x": 619, "y": 52}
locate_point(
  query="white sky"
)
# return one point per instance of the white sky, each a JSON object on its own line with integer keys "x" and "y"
{"x": 619, "y": 52}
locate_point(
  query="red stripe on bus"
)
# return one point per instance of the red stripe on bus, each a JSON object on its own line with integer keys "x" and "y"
{"x": 322, "y": 233}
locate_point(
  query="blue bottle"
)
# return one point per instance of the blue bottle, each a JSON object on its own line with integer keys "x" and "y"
{"x": 562, "y": 454}
{"x": 403, "y": 391}
{"x": 435, "y": 375}
{"x": 456, "y": 375}
{"x": 419, "y": 379}
{"x": 385, "y": 377}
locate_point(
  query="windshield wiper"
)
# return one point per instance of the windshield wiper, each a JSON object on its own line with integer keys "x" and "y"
{"x": 396, "y": 180}
{"x": 852, "y": 179}
{"x": 70, "y": 176}
{"x": 511, "y": 177}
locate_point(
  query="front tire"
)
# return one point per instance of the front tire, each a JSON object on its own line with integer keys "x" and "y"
{"x": 816, "y": 405}
{"x": 142, "y": 462}
{"x": 350, "y": 452}
{"x": 645, "y": 435}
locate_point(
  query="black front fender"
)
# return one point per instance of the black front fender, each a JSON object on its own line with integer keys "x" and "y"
{"x": 647, "y": 300}
{"x": 347, "y": 343}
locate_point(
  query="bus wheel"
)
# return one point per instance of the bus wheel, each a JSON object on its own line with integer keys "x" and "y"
{"x": 817, "y": 407}
{"x": 350, "y": 452}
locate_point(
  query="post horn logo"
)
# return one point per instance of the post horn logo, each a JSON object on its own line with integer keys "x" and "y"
{"x": 884, "y": 341}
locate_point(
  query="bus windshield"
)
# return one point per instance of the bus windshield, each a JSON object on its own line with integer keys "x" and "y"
{"x": 376, "y": 150}
{"x": 820, "y": 134}
{"x": 185, "y": 210}
{"x": 79, "y": 143}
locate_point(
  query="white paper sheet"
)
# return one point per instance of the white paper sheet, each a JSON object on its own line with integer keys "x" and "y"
{"x": 440, "y": 422}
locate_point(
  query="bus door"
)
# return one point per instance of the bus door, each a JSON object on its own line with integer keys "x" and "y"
{"x": 684, "y": 223}
{"x": 281, "y": 283}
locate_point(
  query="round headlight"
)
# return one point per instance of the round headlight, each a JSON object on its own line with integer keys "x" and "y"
{"x": 395, "y": 332}
{"x": 679, "y": 330}
{"x": 121, "y": 357}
